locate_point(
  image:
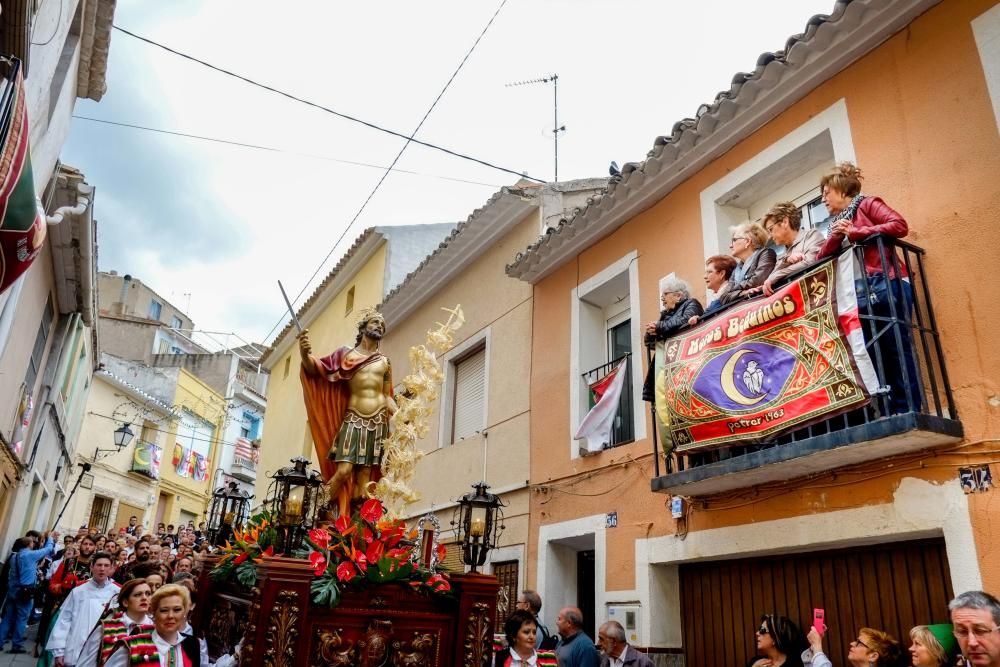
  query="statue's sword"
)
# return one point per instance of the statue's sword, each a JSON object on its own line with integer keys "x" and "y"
{"x": 291, "y": 310}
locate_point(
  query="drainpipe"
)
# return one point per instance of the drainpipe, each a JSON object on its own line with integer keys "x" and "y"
{"x": 82, "y": 202}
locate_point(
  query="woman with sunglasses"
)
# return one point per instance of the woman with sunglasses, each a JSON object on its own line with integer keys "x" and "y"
{"x": 779, "y": 643}
{"x": 872, "y": 648}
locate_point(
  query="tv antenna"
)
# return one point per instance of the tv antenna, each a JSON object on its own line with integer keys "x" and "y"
{"x": 556, "y": 127}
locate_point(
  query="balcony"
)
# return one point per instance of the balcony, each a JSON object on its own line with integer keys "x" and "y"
{"x": 623, "y": 429}
{"x": 244, "y": 469}
{"x": 921, "y": 416}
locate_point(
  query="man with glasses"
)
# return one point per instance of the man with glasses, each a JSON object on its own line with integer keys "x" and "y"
{"x": 975, "y": 617}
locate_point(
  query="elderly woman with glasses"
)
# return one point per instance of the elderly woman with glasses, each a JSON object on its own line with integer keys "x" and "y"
{"x": 872, "y": 648}
{"x": 779, "y": 643}
{"x": 678, "y": 308}
{"x": 755, "y": 261}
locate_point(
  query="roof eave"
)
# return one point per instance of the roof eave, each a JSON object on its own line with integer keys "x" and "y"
{"x": 470, "y": 240}
{"x": 774, "y": 87}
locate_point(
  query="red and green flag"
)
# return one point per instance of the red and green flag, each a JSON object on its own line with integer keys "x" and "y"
{"x": 22, "y": 222}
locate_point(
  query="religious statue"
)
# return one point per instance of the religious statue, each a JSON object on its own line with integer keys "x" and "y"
{"x": 349, "y": 401}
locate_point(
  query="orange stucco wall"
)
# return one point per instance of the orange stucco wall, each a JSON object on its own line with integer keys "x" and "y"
{"x": 925, "y": 135}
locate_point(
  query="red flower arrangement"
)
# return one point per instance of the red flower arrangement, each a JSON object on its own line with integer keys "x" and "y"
{"x": 366, "y": 549}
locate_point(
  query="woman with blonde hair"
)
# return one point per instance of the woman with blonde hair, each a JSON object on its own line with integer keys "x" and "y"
{"x": 164, "y": 645}
{"x": 755, "y": 261}
{"x": 933, "y": 645}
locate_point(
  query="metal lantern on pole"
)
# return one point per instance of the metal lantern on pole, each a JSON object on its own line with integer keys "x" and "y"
{"x": 229, "y": 509}
{"x": 293, "y": 500}
{"x": 479, "y": 524}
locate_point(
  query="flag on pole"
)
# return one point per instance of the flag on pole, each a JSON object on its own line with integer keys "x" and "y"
{"x": 595, "y": 429}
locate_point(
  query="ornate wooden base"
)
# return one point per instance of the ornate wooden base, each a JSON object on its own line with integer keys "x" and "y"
{"x": 384, "y": 626}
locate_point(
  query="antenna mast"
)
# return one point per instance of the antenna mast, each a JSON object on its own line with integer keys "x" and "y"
{"x": 556, "y": 127}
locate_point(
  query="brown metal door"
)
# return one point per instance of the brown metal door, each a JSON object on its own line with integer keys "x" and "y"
{"x": 889, "y": 587}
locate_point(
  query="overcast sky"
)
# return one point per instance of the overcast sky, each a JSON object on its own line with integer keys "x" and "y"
{"x": 212, "y": 227}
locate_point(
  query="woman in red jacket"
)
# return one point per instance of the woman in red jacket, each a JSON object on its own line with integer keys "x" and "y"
{"x": 887, "y": 291}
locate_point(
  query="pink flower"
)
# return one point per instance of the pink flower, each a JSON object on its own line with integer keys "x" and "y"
{"x": 372, "y": 510}
{"x": 318, "y": 561}
{"x": 241, "y": 558}
{"x": 343, "y": 525}
{"x": 345, "y": 571}
{"x": 375, "y": 552}
{"x": 438, "y": 583}
{"x": 320, "y": 537}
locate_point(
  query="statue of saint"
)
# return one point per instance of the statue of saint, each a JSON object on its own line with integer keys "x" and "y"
{"x": 348, "y": 397}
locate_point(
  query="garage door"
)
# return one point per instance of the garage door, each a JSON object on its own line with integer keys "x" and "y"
{"x": 890, "y": 587}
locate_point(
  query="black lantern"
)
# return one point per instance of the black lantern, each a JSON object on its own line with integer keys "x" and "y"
{"x": 479, "y": 525}
{"x": 229, "y": 509}
{"x": 293, "y": 500}
{"x": 123, "y": 436}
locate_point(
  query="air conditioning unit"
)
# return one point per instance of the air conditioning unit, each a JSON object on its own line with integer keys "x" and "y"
{"x": 628, "y": 616}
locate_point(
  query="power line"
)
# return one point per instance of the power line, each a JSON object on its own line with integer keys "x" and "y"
{"x": 274, "y": 150}
{"x": 385, "y": 175}
{"x": 328, "y": 110}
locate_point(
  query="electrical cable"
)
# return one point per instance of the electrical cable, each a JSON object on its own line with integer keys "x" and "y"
{"x": 355, "y": 119}
{"x": 55, "y": 31}
{"x": 385, "y": 175}
{"x": 276, "y": 150}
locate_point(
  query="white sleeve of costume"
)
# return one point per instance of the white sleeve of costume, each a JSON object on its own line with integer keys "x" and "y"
{"x": 57, "y": 639}
{"x": 118, "y": 659}
{"x": 203, "y": 649}
{"x": 91, "y": 648}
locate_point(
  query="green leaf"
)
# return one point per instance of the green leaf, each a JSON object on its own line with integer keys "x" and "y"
{"x": 246, "y": 574}
{"x": 325, "y": 590}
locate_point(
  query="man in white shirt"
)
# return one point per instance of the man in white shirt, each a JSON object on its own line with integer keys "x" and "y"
{"x": 81, "y": 611}
{"x": 616, "y": 651}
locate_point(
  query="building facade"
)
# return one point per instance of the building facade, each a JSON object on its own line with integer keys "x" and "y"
{"x": 480, "y": 427}
{"x": 47, "y": 359}
{"x": 831, "y": 520}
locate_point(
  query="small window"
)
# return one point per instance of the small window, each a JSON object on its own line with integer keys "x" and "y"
{"x": 175, "y": 322}
{"x": 176, "y": 350}
{"x": 468, "y": 414}
{"x": 288, "y": 366}
{"x": 100, "y": 512}
{"x": 163, "y": 348}
{"x": 350, "y": 300}
{"x": 154, "y": 309}
{"x": 38, "y": 351}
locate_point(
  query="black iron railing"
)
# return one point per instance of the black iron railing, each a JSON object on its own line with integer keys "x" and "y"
{"x": 902, "y": 339}
{"x": 623, "y": 429}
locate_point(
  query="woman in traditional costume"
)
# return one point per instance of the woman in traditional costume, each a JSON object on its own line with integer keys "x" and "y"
{"x": 131, "y": 618}
{"x": 164, "y": 645}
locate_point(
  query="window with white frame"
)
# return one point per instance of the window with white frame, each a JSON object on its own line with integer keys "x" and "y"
{"x": 788, "y": 170}
{"x": 468, "y": 407}
{"x": 154, "y": 309}
{"x": 605, "y": 330}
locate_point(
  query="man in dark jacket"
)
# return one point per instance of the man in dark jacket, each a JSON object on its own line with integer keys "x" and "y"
{"x": 678, "y": 308}
{"x": 617, "y": 653}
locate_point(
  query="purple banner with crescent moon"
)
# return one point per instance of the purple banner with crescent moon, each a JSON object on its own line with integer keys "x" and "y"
{"x": 768, "y": 366}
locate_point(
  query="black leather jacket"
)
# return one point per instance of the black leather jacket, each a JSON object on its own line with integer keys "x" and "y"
{"x": 671, "y": 321}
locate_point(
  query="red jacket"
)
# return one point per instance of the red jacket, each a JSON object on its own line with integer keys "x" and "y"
{"x": 872, "y": 217}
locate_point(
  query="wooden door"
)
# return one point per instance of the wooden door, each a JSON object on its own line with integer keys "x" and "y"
{"x": 889, "y": 587}
{"x": 124, "y": 512}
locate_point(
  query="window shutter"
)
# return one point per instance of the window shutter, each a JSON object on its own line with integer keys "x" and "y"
{"x": 470, "y": 395}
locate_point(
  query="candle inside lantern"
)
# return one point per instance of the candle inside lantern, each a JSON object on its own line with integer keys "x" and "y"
{"x": 427, "y": 547}
{"x": 478, "y": 526}
{"x": 228, "y": 519}
{"x": 293, "y": 504}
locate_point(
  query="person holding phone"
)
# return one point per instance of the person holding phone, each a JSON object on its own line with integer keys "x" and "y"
{"x": 872, "y": 648}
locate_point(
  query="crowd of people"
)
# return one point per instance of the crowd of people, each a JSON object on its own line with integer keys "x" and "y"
{"x": 971, "y": 639}
{"x": 92, "y": 589}
{"x": 753, "y": 268}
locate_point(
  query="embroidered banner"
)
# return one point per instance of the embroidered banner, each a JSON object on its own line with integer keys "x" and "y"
{"x": 768, "y": 366}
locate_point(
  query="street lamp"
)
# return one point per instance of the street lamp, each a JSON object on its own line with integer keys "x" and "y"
{"x": 123, "y": 436}
{"x": 293, "y": 499}
{"x": 227, "y": 512}
{"x": 479, "y": 524}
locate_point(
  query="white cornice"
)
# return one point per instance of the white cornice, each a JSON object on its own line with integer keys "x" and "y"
{"x": 828, "y": 47}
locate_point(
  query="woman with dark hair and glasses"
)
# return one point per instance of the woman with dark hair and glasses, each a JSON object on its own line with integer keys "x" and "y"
{"x": 872, "y": 648}
{"x": 779, "y": 643}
